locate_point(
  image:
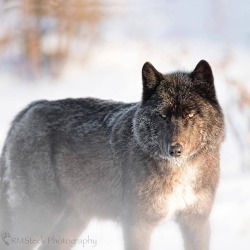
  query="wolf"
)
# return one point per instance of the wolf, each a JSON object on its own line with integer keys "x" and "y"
{"x": 67, "y": 161}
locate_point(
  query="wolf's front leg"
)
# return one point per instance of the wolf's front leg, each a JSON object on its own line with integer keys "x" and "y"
{"x": 137, "y": 235}
{"x": 196, "y": 232}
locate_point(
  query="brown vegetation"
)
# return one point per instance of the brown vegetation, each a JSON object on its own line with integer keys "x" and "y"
{"x": 63, "y": 20}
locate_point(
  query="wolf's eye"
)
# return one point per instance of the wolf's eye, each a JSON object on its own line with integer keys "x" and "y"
{"x": 191, "y": 114}
{"x": 161, "y": 115}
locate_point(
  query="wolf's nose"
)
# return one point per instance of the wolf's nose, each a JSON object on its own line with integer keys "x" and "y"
{"x": 175, "y": 150}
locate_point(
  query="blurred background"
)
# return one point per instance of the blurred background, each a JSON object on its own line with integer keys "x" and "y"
{"x": 54, "y": 49}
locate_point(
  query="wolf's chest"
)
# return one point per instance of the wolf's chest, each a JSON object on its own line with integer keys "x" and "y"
{"x": 165, "y": 196}
{"x": 176, "y": 194}
{"x": 182, "y": 194}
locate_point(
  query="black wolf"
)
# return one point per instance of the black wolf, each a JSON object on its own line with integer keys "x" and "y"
{"x": 67, "y": 161}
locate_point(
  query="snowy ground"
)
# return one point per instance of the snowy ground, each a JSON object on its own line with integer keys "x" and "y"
{"x": 115, "y": 73}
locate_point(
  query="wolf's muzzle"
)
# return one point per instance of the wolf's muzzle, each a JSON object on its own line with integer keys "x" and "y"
{"x": 175, "y": 150}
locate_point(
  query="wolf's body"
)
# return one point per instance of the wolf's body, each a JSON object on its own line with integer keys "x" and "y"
{"x": 67, "y": 161}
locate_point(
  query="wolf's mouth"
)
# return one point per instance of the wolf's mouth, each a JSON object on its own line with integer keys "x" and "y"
{"x": 180, "y": 160}
{"x": 177, "y": 161}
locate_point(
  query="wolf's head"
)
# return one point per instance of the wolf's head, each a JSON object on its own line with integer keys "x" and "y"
{"x": 179, "y": 114}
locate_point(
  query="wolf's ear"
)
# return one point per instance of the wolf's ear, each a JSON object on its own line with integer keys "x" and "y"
{"x": 150, "y": 79}
{"x": 203, "y": 79}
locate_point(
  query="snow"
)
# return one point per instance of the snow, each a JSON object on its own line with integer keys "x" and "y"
{"x": 113, "y": 71}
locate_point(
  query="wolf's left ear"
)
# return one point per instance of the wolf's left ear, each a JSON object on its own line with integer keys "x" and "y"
{"x": 150, "y": 79}
{"x": 203, "y": 79}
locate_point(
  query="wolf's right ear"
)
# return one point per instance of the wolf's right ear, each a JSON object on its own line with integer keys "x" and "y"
{"x": 204, "y": 80}
{"x": 150, "y": 79}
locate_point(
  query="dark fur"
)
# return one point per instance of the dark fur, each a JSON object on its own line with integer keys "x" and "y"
{"x": 67, "y": 161}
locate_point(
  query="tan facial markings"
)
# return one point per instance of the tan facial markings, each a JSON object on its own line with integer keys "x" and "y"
{"x": 186, "y": 131}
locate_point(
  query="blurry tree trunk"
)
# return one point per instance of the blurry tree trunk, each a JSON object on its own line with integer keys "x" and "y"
{"x": 238, "y": 111}
{"x": 32, "y": 37}
{"x": 241, "y": 131}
